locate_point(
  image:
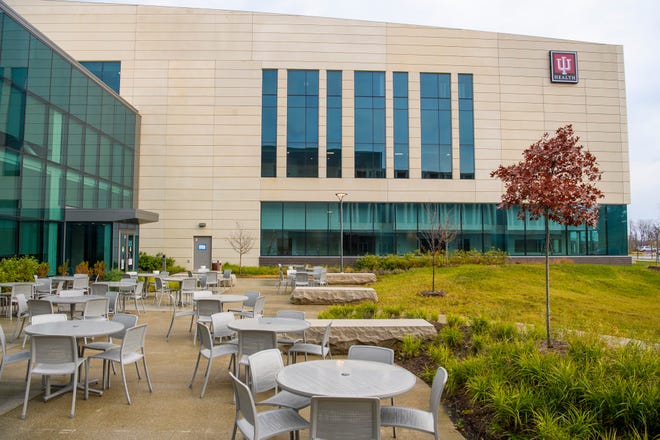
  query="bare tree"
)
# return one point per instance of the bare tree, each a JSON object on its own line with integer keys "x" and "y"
{"x": 242, "y": 242}
{"x": 436, "y": 237}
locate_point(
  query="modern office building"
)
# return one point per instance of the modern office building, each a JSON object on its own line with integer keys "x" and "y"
{"x": 253, "y": 122}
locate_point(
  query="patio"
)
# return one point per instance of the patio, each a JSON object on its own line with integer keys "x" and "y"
{"x": 172, "y": 411}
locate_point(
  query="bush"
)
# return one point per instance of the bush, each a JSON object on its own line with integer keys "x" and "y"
{"x": 149, "y": 263}
{"x": 82, "y": 267}
{"x": 394, "y": 263}
{"x": 18, "y": 269}
{"x": 113, "y": 275}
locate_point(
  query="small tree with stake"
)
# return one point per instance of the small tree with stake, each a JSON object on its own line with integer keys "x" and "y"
{"x": 556, "y": 181}
{"x": 242, "y": 242}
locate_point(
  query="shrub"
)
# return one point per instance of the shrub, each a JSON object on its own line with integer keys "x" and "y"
{"x": 43, "y": 269}
{"x": 18, "y": 269}
{"x": 63, "y": 269}
{"x": 82, "y": 267}
{"x": 411, "y": 346}
{"x": 113, "y": 275}
{"x": 98, "y": 270}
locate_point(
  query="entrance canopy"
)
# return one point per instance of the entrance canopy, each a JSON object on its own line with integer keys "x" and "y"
{"x": 120, "y": 215}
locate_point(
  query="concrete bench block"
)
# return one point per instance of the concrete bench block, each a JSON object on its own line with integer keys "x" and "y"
{"x": 382, "y": 332}
{"x": 332, "y": 295}
{"x": 350, "y": 279}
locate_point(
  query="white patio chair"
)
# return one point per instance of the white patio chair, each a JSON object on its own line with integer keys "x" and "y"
{"x": 339, "y": 418}
{"x": 80, "y": 282}
{"x": 11, "y": 297}
{"x": 263, "y": 368}
{"x": 302, "y": 279}
{"x": 22, "y": 313}
{"x": 188, "y": 287}
{"x": 113, "y": 298}
{"x": 225, "y": 281}
{"x": 35, "y": 307}
{"x": 290, "y": 338}
{"x": 55, "y": 356}
{"x": 373, "y": 353}
{"x": 95, "y": 309}
{"x": 283, "y": 280}
{"x": 322, "y": 349}
{"x": 248, "y": 304}
{"x": 210, "y": 351}
{"x": 135, "y": 292}
{"x": 220, "y": 330}
{"x": 250, "y": 342}
{"x": 176, "y": 313}
{"x": 130, "y": 351}
{"x": 417, "y": 419}
{"x": 212, "y": 279}
{"x": 43, "y": 287}
{"x": 98, "y": 289}
{"x": 12, "y": 358}
{"x": 204, "y": 308}
{"x": 162, "y": 289}
{"x": 264, "y": 424}
{"x": 127, "y": 320}
{"x": 258, "y": 309}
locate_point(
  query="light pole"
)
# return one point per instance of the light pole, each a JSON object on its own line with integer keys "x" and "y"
{"x": 341, "y": 196}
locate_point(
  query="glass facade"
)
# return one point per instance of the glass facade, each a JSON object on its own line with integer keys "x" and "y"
{"x": 401, "y": 131}
{"x": 312, "y": 229}
{"x": 435, "y": 95}
{"x": 269, "y": 123}
{"x": 466, "y": 126}
{"x": 302, "y": 134}
{"x": 370, "y": 125}
{"x": 333, "y": 124}
{"x": 107, "y": 71}
{"x": 65, "y": 142}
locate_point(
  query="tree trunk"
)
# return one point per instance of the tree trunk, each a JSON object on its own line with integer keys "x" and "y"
{"x": 547, "y": 279}
{"x": 433, "y": 272}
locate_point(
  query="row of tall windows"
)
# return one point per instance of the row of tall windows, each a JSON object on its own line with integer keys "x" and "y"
{"x": 312, "y": 229}
{"x": 302, "y": 142}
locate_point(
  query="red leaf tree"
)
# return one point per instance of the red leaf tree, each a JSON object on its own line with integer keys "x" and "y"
{"x": 555, "y": 181}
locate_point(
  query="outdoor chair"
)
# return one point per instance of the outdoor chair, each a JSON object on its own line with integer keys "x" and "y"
{"x": 127, "y": 320}
{"x": 95, "y": 309}
{"x": 135, "y": 293}
{"x": 162, "y": 289}
{"x": 219, "y": 328}
{"x": 248, "y": 304}
{"x": 417, "y": 419}
{"x": 225, "y": 281}
{"x": 55, "y": 356}
{"x": 257, "y": 310}
{"x": 130, "y": 351}
{"x": 210, "y": 351}
{"x": 263, "y": 368}
{"x": 373, "y": 353}
{"x": 290, "y": 338}
{"x": 302, "y": 279}
{"x": 212, "y": 279}
{"x": 98, "y": 289}
{"x": 264, "y": 424}
{"x": 43, "y": 287}
{"x": 179, "y": 314}
{"x": 283, "y": 280}
{"x": 250, "y": 342}
{"x": 11, "y": 297}
{"x": 339, "y": 418}
{"x": 113, "y": 298}
{"x": 80, "y": 282}
{"x": 22, "y": 313}
{"x": 204, "y": 308}
{"x": 188, "y": 287}
{"x": 12, "y": 358}
{"x": 34, "y": 307}
{"x": 322, "y": 349}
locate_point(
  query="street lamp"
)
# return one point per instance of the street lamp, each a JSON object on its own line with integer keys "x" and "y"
{"x": 341, "y": 196}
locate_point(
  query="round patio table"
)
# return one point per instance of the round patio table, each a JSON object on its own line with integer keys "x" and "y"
{"x": 345, "y": 377}
{"x": 278, "y": 325}
{"x": 78, "y": 328}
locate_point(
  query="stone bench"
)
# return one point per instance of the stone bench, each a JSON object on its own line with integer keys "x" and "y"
{"x": 381, "y": 332}
{"x": 350, "y": 279}
{"x": 332, "y": 295}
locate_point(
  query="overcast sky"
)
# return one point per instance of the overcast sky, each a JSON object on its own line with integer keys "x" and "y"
{"x": 632, "y": 23}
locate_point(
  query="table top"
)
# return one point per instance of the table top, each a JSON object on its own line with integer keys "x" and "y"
{"x": 345, "y": 377}
{"x": 17, "y": 283}
{"x": 126, "y": 282}
{"x": 77, "y": 328}
{"x": 279, "y": 325}
{"x": 56, "y": 299}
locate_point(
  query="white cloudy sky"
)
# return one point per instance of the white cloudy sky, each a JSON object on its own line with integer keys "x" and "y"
{"x": 632, "y": 23}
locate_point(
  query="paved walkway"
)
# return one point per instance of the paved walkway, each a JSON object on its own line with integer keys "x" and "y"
{"x": 172, "y": 411}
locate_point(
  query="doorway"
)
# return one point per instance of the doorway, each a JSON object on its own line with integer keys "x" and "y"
{"x": 202, "y": 251}
{"x": 128, "y": 261}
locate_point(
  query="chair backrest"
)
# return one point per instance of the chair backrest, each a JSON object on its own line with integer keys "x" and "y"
{"x": 133, "y": 340}
{"x": 3, "y": 342}
{"x": 96, "y": 309}
{"x": 44, "y": 285}
{"x": 264, "y": 366}
{"x": 226, "y": 274}
{"x": 302, "y": 277}
{"x": 53, "y": 317}
{"x": 212, "y": 277}
{"x": 48, "y": 349}
{"x": 188, "y": 284}
{"x": 201, "y": 294}
{"x": 39, "y": 307}
{"x": 325, "y": 342}
{"x": 202, "y": 281}
{"x": 207, "y": 307}
{"x": 439, "y": 381}
{"x": 80, "y": 281}
{"x": 252, "y": 341}
{"x": 290, "y": 314}
{"x": 205, "y": 339}
{"x": 24, "y": 289}
{"x": 71, "y": 292}
{"x": 22, "y": 302}
{"x": 258, "y": 309}
{"x": 371, "y": 353}
{"x": 138, "y": 289}
{"x": 219, "y": 322}
{"x": 125, "y": 319}
{"x": 245, "y": 405}
{"x": 252, "y": 296}
{"x": 355, "y": 418}
{"x": 112, "y": 296}
{"x": 98, "y": 289}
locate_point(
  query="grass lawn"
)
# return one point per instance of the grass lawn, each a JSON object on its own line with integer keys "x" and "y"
{"x": 613, "y": 300}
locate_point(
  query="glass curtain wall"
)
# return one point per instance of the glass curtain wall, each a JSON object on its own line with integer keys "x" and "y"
{"x": 370, "y": 125}
{"x": 64, "y": 141}
{"x": 435, "y": 94}
{"x": 302, "y": 134}
{"x": 312, "y": 228}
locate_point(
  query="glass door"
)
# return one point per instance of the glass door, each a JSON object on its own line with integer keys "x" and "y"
{"x": 127, "y": 251}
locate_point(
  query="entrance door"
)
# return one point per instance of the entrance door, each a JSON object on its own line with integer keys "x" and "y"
{"x": 127, "y": 248}
{"x": 202, "y": 251}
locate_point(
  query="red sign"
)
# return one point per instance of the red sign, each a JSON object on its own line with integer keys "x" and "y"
{"x": 563, "y": 67}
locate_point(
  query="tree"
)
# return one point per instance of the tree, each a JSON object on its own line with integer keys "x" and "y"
{"x": 436, "y": 238}
{"x": 242, "y": 242}
{"x": 555, "y": 180}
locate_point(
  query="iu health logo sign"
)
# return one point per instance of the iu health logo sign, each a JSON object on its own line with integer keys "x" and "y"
{"x": 563, "y": 67}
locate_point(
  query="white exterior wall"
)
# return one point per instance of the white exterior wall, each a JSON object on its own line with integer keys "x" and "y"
{"x": 195, "y": 77}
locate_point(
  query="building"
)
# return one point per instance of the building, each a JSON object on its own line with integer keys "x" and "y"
{"x": 252, "y": 122}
